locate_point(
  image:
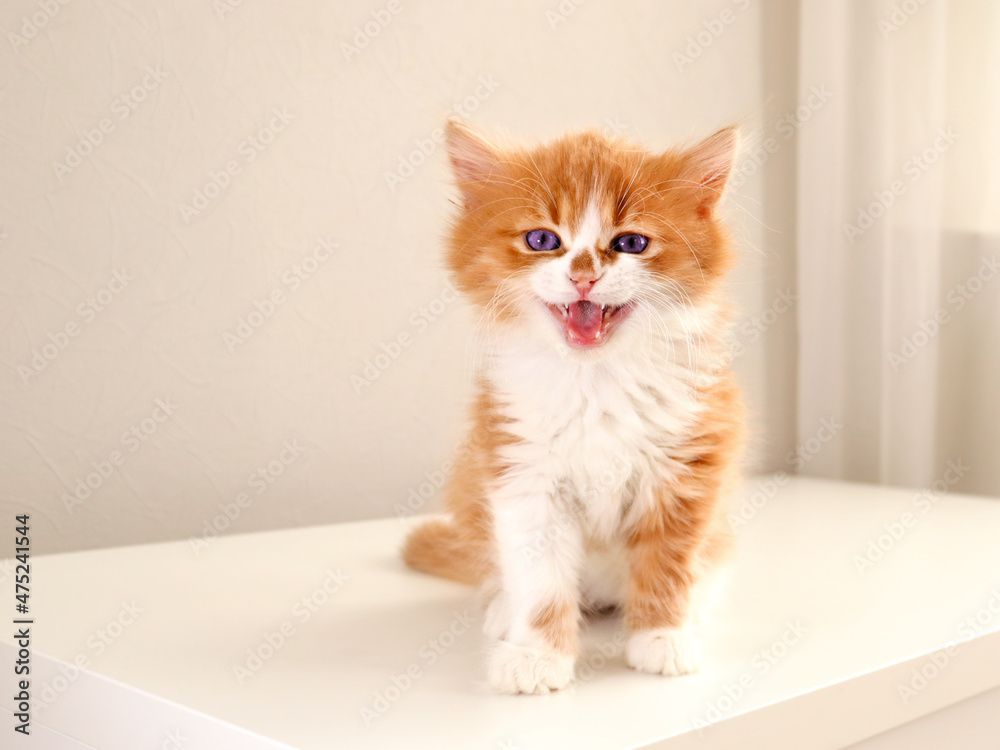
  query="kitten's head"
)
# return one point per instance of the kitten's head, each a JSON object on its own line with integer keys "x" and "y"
{"x": 587, "y": 241}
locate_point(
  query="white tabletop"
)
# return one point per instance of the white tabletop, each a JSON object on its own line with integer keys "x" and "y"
{"x": 809, "y": 651}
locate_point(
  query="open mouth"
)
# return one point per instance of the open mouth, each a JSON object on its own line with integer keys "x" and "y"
{"x": 586, "y": 324}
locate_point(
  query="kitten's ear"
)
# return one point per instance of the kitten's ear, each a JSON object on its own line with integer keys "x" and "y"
{"x": 474, "y": 161}
{"x": 709, "y": 164}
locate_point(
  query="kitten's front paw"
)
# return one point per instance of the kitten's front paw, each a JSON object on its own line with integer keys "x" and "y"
{"x": 522, "y": 669}
{"x": 663, "y": 651}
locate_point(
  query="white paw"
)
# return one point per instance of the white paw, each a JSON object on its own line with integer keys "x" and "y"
{"x": 663, "y": 651}
{"x": 522, "y": 669}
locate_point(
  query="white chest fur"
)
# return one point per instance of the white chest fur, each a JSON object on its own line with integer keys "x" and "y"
{"x": 592, "y": 434}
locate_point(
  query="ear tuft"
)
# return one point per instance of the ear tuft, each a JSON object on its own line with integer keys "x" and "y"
{"x": 474, "y": 160}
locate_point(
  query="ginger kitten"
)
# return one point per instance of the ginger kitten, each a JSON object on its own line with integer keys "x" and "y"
{"x": 607, "y": 426}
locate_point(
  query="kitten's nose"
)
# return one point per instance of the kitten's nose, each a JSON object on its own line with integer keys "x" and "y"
{"x": 584, "y": 282}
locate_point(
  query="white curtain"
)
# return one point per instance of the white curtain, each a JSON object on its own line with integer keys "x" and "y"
{"x": 898, "y": 220}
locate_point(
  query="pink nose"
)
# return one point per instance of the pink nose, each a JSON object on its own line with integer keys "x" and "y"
{"x": 584, "y": 283}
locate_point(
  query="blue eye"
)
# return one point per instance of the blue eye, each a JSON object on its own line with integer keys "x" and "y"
{"x": 542, "y": 239}
{"x": 629, "y": 243}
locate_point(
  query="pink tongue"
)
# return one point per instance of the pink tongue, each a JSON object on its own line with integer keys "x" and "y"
{"x": 584, "y": 321}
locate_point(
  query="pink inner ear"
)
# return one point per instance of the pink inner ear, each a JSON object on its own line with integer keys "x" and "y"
{"x": 473, "y": 159}
{"x": 710, "y": 164}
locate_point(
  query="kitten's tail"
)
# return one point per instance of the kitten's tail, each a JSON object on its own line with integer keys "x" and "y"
{"x": 443, "y": 549}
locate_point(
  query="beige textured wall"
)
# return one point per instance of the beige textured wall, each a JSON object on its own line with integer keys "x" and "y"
{"x": 215, "y": 215}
